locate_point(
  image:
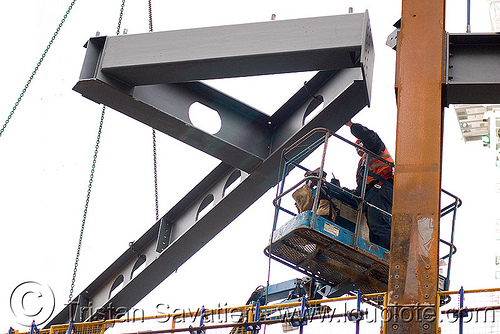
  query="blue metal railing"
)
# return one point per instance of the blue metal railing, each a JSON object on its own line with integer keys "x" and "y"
{"x": 295, "y": 154}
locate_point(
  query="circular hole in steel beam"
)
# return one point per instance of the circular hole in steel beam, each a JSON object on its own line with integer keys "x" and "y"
{"x": 314, "y": 107}
{"x": 205, "y": 206}
{"x": 232, "y": 182}
{"x": 205, "y": 118}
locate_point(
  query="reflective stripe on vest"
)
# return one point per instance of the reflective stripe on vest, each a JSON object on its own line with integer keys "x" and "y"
{"x": 380, "y": 168}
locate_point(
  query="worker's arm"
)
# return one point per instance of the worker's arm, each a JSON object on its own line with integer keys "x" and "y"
{"x": 370, "y": 138}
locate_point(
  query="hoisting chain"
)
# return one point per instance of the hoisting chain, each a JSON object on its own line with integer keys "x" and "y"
{"x": 89, "y": 189}
{"x": 37, "y": 67}
{"x": 155, "y": 174}
{"x": 150, "y": 11}
{"x": 120, "y": 17}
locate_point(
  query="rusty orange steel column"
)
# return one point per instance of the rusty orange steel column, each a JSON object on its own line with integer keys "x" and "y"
{"x": 413, "y": 272}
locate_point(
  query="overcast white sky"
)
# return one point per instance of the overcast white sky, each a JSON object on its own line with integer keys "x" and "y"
{"x": 46, "y": 154}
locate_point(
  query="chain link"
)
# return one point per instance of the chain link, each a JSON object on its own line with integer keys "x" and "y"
{"x": 37, "y": 67}
{"x": 150, "y": 11}
{"x": 156, "y": 175}
{"x": 120, "y": 17}
{"x": 89, "y": 189}
{"x": 91, "y": 180}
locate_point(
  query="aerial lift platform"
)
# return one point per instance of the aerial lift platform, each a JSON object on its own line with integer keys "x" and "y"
{"x": 337, "y": 252}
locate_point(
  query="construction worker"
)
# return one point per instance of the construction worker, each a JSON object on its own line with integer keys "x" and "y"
{"x": 378, "y": 191}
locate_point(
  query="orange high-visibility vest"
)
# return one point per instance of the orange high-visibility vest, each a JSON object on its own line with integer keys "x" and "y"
{"x": 379, "y": 167}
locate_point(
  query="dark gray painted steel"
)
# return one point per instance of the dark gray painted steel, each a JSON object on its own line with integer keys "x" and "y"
{"x": 244, "y": 139}
{"x": 344, "y": 95}
{"x": 473, "y": 69}
{"x": 181, "y": 233}
{"x": 320, "y": 43}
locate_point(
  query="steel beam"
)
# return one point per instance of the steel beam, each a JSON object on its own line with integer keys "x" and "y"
{"x": 344, "y": 94}
{"x": 309, "y": 44}
{"x": 413, "y": 270}
{"x": 134, "y": 74}
{"x": 473, "y": 69}
{"x": 243, "y": 140}
{"x": 249, "y": 144}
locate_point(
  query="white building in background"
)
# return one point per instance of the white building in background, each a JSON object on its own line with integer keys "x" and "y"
{"x": 482, "y": 122}
{"x": 494, "y": 7}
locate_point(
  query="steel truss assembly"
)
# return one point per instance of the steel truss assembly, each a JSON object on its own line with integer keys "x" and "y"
{"x": 155, "y": 78}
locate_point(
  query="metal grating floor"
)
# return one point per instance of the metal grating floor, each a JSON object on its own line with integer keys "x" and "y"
{"x": 330, "y": 260}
